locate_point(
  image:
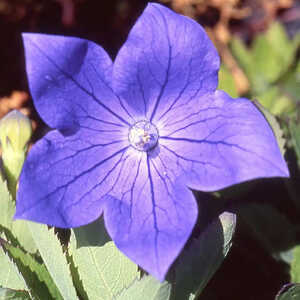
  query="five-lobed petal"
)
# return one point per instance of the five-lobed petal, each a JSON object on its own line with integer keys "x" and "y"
{"x": 166, "y": 73}
{"x": 70, "y": 82}
{"x": 166, "y": 60}
{"x": 218, "y": 141}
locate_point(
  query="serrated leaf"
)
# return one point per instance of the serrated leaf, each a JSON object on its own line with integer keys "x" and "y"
{"x": 76, "y": 279}
{"x": 9, "y": 294}
{"x": 147, "y": 288}
{"x": 9, "y": 273}
{"x": 278, "y": 132}
{"x": 54, "y": 258}
{"x": 102, "y": 268}
{"x": 226, "y": 82}
{"x": 198, "y": 264}
{"x": 289, "y": 292}
{"x": 20, "y": 231}
{"x": 18, "y": 228}
{"x": 35, "y": 274}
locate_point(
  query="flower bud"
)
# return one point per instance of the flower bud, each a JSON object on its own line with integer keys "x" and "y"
{"x": 15, "y": 132}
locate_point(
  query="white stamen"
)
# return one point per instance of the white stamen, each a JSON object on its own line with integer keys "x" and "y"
{"x": 143, "y": 135}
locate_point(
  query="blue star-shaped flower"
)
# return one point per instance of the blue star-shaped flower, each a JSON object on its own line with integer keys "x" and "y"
{"x": 131, "y": 137}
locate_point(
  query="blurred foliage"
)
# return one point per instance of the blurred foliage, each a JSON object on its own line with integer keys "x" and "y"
{"x": 15, "y": 101}
{"x": 226, "y": 82}
{"x": 271, "y": 67}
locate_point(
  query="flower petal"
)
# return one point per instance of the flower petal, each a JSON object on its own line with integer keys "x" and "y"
{"x": 64, "y": 179}
{"x": 167, "y": 59}
{"x": 69, "y": 81}
{"x": 217, "y": 141}
{"x": 152, "y": 216}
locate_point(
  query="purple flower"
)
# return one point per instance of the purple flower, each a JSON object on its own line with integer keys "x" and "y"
{"x": 132, "y": 137}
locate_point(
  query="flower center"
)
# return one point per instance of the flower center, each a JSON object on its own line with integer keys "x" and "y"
{"x": 143, "y": 135}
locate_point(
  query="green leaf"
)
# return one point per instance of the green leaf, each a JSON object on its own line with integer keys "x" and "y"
{"x": 295, "y": 134}
{"x": 9, "y": 294}
{"x": 54, "y": 258}
{"x": 102, "y": 268}
{"x": 289, "y": 292}
{"x": 226, "y": 82}
{"x": 246, "y": 61}
{"x": 21, "y": 232}
{"x": 275, "y": 101}
{"x": 271, "y": 119}
{"x": 270, "y": 56}
{"x": 243, "y": 54}
{"x": 284, "y": 47}
{"x": 18, "y": 229}
{"x": 35, "y": 274}
{"x": 266, "y": 61}
{"x": 290, "y": 83}
{"x": 274, "y": 52}
{"x": 199, "y": 263}
{"x": 295, "y": 265}
{"x": 9, "y": 273}
{"x": 147, "y": 288}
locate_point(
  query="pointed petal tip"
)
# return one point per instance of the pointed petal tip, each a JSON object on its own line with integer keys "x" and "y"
{"x": 286, "y": 172}
{"x": 283, "y": 169}
{"x": 26, "y": 34}
{"x": 29, "y": 35}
